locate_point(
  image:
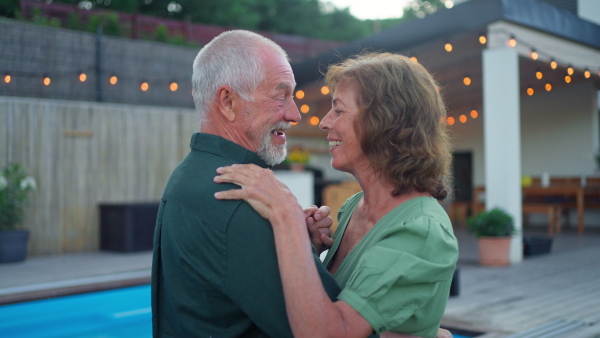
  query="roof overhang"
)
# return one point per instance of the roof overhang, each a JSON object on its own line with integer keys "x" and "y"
{"x": 555, "y": 34}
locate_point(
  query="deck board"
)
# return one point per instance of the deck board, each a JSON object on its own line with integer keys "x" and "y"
{"x": 561, "y": 286}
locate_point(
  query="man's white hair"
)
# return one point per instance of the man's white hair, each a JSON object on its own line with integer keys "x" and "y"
{"x": 234, "y": 59}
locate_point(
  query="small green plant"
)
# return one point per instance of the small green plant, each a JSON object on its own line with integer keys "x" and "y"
{"x": 15, "y": 186}
{"x": 161, "y": 33}
{"x": 493, "y": 223}
{"x": 111, "y": 25}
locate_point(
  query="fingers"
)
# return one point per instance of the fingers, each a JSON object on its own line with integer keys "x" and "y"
{"x": 326, "y": 241}
{"x": 322, "y": 213}
{"x": 308, "y": 212}
{"x": 234, "y": 194}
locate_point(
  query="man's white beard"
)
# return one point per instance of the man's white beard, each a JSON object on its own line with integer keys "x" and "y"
{"x": 270, "y": 153}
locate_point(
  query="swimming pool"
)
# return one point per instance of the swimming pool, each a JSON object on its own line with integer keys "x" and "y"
{"x": 117, "y": 313}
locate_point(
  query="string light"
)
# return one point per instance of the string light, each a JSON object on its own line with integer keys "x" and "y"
{"x": 467, "y": 80}
{"x": 304, "y": 108}
{"x": 450, "y": 120}
{"x": 474, "y": 114}
{"x": 534, "y": 54}
{"x": 314, "y": 121}
{"x": 463, "y": 118}
{"x": 482, "y": 39}
{"x": 448, "y": 47}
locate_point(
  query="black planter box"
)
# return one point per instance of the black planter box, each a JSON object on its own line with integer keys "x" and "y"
{"x": 127, "y": 227}
{"x": 13, "y": 246}
{"x": 536, "y": 245}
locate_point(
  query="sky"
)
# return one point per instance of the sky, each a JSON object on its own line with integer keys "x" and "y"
{"x": 376, "y": 9}
{"x": 373, "y": 9}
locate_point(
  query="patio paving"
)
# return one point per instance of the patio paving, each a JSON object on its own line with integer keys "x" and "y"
{"x": 560, "y": 289}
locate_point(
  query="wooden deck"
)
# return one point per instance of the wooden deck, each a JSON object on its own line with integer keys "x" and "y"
{"x": 560, "y": 290}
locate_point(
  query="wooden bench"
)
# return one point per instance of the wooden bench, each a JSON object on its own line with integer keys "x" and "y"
{"x": 553, "y": 211}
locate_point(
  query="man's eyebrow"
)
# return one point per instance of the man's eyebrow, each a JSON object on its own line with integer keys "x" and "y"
{"x": 283, "y": 86}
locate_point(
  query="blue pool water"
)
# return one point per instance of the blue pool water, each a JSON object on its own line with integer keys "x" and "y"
{"x": 119, "y": 313}
{"x": 115, "y": 313}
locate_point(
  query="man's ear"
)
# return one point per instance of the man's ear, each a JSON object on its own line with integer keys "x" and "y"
{"x": 226, "y": 98}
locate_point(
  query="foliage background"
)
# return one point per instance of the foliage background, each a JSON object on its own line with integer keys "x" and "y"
{"x": 310, "y": 18}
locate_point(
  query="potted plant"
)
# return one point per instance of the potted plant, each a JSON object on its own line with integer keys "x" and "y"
{"x": 298, "y": 158}
{"x": 15, "y": 186}
{"x": 493, "y": 229}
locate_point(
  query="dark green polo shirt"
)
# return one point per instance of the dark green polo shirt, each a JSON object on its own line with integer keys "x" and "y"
{"x": 214, "y": 270}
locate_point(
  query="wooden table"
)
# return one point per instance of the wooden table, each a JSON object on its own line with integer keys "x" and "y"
{"x": 561, "y": 191}
{"x": 566, "y": 190}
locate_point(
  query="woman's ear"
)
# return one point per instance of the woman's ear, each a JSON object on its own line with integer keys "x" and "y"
{"x": 226, "y": 98}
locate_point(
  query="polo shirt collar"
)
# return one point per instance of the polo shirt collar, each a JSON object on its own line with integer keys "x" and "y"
{"x": 220, "y": 146}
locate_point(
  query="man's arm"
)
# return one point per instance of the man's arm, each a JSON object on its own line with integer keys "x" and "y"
{"x": 253, "y": 281}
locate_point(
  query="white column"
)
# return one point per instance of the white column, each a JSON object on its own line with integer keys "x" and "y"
{"x": 502, "y": 141}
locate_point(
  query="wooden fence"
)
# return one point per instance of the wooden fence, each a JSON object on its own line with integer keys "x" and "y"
{"x": 82, "y": 154}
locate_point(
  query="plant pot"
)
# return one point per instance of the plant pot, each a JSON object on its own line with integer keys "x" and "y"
{"x": 494, "y": 251}
{"x": 13, "y": 246}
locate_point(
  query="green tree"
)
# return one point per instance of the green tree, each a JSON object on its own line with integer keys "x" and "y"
{"x": 9, "y": 8}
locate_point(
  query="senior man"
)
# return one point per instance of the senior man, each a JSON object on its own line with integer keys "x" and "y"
{"x": 214, "y": 271}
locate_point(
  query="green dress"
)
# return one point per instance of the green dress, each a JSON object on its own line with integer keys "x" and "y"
{"x": 398, "y": 277}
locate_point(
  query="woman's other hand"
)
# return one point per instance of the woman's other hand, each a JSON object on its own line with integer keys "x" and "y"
{"x": 318, "y": 223}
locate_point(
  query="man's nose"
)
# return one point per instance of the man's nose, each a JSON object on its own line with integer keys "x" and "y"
{"x": 291, "y": 113}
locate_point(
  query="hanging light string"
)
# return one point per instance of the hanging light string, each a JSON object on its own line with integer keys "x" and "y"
{"x": 85, "y": 74}
{"x": 146, "y": 84}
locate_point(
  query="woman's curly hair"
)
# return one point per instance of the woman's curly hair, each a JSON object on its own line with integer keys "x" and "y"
{"x": 401, "y": 122}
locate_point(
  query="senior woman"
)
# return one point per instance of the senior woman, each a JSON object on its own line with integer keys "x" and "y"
{"x": 394, "y": 251}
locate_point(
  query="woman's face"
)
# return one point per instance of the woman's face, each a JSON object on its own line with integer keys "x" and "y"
{"x": 344, "y": 146}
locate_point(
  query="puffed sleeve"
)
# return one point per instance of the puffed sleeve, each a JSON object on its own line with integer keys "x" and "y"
{"x": 409, "y": 269}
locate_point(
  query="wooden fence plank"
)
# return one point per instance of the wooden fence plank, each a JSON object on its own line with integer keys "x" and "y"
{"x": 83, "y": 154}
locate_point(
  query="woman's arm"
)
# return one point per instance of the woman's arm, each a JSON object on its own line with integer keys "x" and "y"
{"x": 310, "y": 310}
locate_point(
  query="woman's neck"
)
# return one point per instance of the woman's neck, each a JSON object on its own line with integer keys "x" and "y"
{"x": 377, "y": 199}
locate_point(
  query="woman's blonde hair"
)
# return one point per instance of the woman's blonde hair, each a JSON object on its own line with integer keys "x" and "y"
{"x": 401, "y": 123}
